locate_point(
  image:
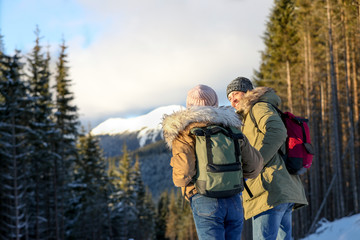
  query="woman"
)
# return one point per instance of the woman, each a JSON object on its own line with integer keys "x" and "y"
{"x": 215, "y": 218}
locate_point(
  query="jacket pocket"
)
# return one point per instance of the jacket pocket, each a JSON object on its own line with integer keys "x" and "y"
{"x": 256, "y": 187}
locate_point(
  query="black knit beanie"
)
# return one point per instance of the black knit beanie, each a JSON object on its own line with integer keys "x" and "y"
{"x": 239, "y": 84}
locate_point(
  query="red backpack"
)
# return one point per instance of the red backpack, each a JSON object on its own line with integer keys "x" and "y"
{"x": 299, "y": 151}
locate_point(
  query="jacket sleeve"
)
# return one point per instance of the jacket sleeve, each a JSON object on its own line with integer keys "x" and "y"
{"x": 183, "y": 161}
{"x": 271, "y": 125}
{"x": 252, "y": 161}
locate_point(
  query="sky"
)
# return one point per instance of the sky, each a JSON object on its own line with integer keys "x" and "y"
{"x": 128, "y": 57}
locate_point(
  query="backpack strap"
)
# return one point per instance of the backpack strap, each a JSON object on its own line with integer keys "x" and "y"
{"x": 229, "y": 133}
{"x": 208, "y": 146}
{"x": 247, "y": 188}
{"x": 252, "y": 115}
{"x": 282, "y": 116}
{"x": 236, "y": 137}
{"x": 253, "y": 118}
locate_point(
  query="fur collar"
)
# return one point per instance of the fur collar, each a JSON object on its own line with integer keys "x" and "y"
{"x": 250, "y": 98}
{"x": 175, "y": 123}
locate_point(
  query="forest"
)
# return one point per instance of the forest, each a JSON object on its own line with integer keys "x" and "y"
{"x": 56, "y": 184}
{"x": 312, "y": 58}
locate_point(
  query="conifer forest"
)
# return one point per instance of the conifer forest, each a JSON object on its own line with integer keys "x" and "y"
{"x": 56, "y": 183}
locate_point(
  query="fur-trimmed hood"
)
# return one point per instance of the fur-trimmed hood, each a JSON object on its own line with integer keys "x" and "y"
{"x": 177, "y": 122}
{"x": 258, "y": 94}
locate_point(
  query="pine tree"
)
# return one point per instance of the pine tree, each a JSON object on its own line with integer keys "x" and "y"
{"x": 128, "y": 210}
{"x": 279, "y": 57}
{"x": 186, "y": 228}
{"x": 173, "y": 218}
{"x": 162, "y": 215}
{"x": 123, "y": 201}
{"x": 115, "y": 197}
{"x": 66, "y": 113}
{"x": 149, "y": 215}
{"x": 89, "y": 202}
{"x": 144, "y": 207}
{"x": 66, "y": 120}
{"x": 14, "y": 148}
{"x": 42, "y": 195}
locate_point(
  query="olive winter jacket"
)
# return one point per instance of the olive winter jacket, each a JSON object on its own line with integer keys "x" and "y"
{"x": 274, "y": 185}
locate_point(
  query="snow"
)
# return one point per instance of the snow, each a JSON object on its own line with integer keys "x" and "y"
{"x": 150, "y": 120}
{"x": 148, "y": 125}
{"x": 342, "y": 229}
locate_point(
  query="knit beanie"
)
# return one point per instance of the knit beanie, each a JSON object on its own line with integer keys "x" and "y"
{"x": 241, "y": 84}
{"x": 201, "y": 95}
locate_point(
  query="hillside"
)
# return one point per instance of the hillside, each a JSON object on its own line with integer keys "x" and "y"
{"x": 143, "y": 138}
{"x": 135, "y": 132}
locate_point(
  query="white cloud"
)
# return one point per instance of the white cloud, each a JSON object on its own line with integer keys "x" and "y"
{"x": 151, "y": 52}
{"x": 132, "y": 56}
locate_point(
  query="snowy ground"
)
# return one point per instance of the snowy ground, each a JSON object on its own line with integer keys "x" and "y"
{"x": 342, "y": 229}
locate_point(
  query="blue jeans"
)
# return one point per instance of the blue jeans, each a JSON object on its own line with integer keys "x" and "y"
{"x": 274, "y": 223}
{"x": 218, "y": 218}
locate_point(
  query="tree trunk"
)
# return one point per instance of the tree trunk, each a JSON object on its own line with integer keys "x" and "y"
{"x": 55, "y": 183}
{"x": 306, "y": 73}
{"x": 355, "y": 95}
{"x": 311, "y": 98}
{"x": 37, "y": 204}
{"x": 15, "y": 193}
{"x": 335, "y": 140}
{"x": 350, "y": 115}
{"x": 331, "y": 167}
{"x": 324, "y": 143}
{"x": 288, "y": 80}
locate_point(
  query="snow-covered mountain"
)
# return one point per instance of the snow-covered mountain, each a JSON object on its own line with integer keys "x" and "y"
{"x": 147, "y": 128}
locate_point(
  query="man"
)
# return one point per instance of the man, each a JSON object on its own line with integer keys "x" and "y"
{"x": 215, "y": 218}
{"x": 275, "y": 192}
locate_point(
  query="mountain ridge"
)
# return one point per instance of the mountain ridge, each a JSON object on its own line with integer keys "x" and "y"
{"x": 143, "y": 138}
{"x": 135, "y": 132}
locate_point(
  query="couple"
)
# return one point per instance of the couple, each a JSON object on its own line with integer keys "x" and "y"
{"x": 275, "y": 192}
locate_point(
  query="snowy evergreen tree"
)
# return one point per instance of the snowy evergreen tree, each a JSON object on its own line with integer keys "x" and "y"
{"x": 173, "y": 218}
{"x": 280, "y": 57}
{"x": 186, "y": 228}
{"x": 14, "y": 148}
{"x": 115, "y": 197}
{"x": 66, "y": 120}
{"x": 89, "y": 197}
{"x": 43, "y": 200}
{"x": 66, "y": 113}
{"x": 162, "y": 215}
{"x": 123, "y": 201}
{"x": 144, "y": 207}
{"x": 179, "y": 219}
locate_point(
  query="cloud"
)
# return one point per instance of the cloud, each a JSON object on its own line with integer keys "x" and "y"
{"x": 151, "y": 52}
{"x": 131, "y": 56}
{"x": 127, "y": 57}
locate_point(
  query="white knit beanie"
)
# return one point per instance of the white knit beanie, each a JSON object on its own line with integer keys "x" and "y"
{"x": 201, "y": 95}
